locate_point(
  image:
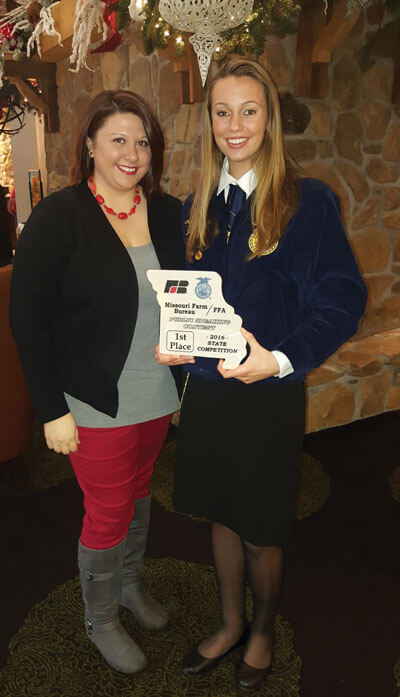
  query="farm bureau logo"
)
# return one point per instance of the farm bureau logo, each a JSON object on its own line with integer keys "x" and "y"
{"x": 176, "y": 286}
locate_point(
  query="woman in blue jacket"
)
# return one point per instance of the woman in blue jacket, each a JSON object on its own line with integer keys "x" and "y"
{"x": 277, "y": 240}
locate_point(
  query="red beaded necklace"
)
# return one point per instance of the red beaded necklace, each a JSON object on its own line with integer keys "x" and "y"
{"x": 111, "y": 211}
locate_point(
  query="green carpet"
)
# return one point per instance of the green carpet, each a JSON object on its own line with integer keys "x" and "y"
{"x": 50, "y": 656}
{"x": 340, "y": 595}
{"x": 396, "y": 673}
{"x": 394, "y": 482}
{"x": 41, "y": 467}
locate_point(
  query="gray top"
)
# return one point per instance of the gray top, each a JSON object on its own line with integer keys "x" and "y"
{"x": 146, "y": 389}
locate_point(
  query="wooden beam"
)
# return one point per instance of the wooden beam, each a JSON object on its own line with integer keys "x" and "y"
{"x": 51, "y": 117}
{"x": 183, "y": 83}
{"x": 64, "y": 18}
{"x": 180, "y": 66}
{"x": 396, "y": 81}
{"x": 197, "y": 91}
{"x": 334, "y": 32}
{"x": 186, "y": 67}
{"x": 319, "y": 33}
{"x": 319, "y": 80}
{"x": 28, "y": 93}
{"x": 190, "y": 80}
{"x": 311, "y": 21}
{"x": 29, "y": 68}
{"x": 45, "y": 74}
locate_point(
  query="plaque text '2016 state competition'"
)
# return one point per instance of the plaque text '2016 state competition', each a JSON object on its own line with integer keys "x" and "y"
{"x": 194, "y": 318}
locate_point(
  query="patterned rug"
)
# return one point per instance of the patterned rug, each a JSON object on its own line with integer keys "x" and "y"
{"x": 43, "y": 468}
{"x": 341, "y": 590}
{"x": 394, "y": 482}
{"x": 396, "y": 673}
{"x": 50, "y": 656}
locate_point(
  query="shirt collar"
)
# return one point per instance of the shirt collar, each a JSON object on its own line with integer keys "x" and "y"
{"x": 247, "y": 181}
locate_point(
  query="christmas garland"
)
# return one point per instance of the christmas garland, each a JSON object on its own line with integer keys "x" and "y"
{"x": 278, "y": 17}
{"x": 272, "y": 17}
{"x": 17, "y": 27}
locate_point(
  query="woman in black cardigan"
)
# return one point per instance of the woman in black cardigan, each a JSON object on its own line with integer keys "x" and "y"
{"x": 85, "y": 320}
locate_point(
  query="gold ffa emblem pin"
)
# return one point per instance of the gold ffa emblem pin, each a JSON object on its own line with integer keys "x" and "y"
{"x": 253, "y": 244}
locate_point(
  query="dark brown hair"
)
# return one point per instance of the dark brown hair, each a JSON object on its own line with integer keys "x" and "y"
{"x": 104, "y": 105}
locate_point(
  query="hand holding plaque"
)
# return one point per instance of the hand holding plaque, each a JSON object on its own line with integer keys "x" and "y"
{"x": 195, "y": 319}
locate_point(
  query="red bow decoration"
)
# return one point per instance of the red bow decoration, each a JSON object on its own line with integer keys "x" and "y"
{"x": 114, "y": 38}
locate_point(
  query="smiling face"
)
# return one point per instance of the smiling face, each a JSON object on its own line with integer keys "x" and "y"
{"x": 121, "y": 153}
{"x": 239, "y": 117}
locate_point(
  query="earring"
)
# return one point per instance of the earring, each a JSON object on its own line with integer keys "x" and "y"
{"x": 89, "y": 148}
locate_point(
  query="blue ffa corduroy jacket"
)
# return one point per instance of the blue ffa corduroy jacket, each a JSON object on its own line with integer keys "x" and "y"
{"x": 305, "y": 298}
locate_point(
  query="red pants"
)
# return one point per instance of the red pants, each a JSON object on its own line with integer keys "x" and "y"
{"x": 113, "y": 467}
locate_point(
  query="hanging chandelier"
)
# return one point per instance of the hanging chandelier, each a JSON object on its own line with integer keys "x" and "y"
{"x": 12, "y": 113}
{"x": 205, "y": 18}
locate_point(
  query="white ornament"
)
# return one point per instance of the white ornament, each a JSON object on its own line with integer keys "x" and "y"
{"x": 135, "y": 10}
{"x": 205, "y": 18}
{"x": 88, "y": 15}
{"x": 44, "y": 26}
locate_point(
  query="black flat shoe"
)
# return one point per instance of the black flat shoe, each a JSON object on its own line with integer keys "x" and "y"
{"x": 196, "y": 664}
{"x": 249, "y": 678}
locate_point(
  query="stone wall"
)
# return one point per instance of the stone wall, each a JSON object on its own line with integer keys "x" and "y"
{"x": 6, "y": 168}
{"x": 127, "y": 68}
{"x": 350, "y": 139}
{"x": 362, "y": 379}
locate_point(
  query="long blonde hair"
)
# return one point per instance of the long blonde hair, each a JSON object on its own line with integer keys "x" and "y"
{"x": 277, "y": 191}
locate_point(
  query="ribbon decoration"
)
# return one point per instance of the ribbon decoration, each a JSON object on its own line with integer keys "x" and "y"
{"x": 114, "y": 38}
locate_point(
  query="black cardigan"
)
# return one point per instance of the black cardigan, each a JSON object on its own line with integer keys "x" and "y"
{"x": 74, "y": 297}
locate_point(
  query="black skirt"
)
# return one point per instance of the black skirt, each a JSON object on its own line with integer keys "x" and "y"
{"x": 238, "y": 453}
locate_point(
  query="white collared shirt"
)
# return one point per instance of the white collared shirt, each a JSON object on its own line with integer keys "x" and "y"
{"x": 247, "y": 183}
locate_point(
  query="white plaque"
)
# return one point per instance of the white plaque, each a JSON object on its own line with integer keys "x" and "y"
{"x": 195, "y": 319}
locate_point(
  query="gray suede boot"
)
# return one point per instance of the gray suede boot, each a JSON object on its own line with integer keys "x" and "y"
{"x": 100, "y": 573}
{"x": 134, "y": 596}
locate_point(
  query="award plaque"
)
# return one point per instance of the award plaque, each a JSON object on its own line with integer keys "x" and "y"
{"x": 195, "y": 319}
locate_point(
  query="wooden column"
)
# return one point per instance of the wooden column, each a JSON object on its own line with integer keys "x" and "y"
{"x": 186, "y": 67}
{"x": 319, "y": 33}
{"x": 396, "y": 81}
{"x": 311, "y": 20}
